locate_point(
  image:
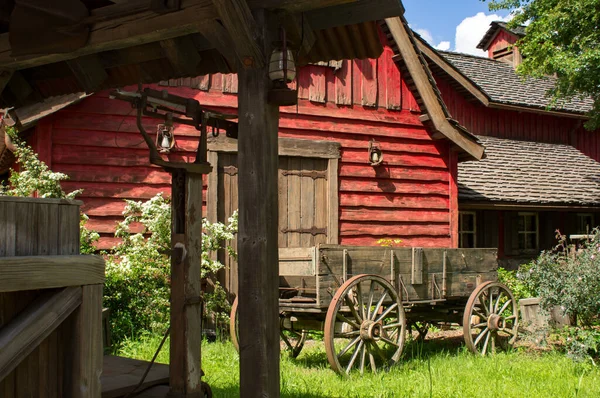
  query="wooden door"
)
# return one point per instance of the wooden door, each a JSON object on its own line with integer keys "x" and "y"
{"x": 303, "y": 204}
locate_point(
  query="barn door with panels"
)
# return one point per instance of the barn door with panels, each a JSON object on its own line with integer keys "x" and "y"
{"x": 305, "y": 204}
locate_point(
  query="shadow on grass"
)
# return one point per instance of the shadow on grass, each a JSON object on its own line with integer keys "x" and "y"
{"x": 414, "y": 350}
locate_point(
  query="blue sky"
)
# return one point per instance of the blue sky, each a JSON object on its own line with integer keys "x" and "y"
{"x": 455, "y": 25}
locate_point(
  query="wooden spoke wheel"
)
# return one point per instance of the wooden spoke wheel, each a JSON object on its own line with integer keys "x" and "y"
{"x": 293, "y": 339}
{"x": 365, "y": 326}
{"x": 206, "y": 390}
{"x": 421, "y": 327}
{"x": 233, "y": 326}
{"x": 491, "y": 319}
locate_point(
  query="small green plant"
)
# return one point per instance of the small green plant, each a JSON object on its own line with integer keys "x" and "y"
{"x": 520, "y": 289}
{"x": 137, "y": 287}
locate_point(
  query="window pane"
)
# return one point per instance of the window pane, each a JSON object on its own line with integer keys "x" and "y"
{"x": 469, "y": 240}
{"x": 530, "y": 241}
{"x": 469, "y": 222}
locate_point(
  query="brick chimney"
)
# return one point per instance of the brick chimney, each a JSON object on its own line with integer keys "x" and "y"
{"x": 499, "y": 41}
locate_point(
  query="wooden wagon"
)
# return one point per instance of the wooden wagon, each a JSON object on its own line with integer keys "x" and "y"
{"x": 365, "y": 298}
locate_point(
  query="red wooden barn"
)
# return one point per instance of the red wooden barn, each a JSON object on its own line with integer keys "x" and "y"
{"x": 541, "y": 173}
{"x": 402, "y": 103}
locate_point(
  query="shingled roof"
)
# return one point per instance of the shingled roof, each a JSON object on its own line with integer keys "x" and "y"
{"x": 499, "y": 81}
{"x": 495, "y": 26}
{"x": 530, "y": 173}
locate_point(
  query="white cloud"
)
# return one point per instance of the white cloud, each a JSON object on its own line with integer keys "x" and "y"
{"x": 471, "y": 30}
{"x": 426, "y": 35}
{"x": 443, "y": 46}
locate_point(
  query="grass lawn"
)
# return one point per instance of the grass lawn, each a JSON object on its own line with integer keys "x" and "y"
{"x": 431, "y": 369}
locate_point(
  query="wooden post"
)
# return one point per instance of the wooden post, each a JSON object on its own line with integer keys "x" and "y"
{"x": 258, "y": 223}
{"x": 186, "y": 303}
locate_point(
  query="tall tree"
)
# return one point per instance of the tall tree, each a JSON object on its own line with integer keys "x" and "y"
{"x": 562, "y": 39}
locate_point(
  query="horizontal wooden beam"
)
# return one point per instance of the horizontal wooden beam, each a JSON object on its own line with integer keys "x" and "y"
{"x": 122, "y": 25}
{"x": 287, "y": 147}
{"x": 24, "y": 333}
{"x": 354, "y": 12}
{"x": 45, "y": 272}
{"x": 182, "y": 54}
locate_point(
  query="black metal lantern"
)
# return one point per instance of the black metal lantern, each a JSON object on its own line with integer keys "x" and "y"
{"x": 282, "y": 70}
{"x": 375, "y": 153}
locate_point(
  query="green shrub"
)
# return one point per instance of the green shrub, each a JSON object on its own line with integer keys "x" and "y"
{"x": 137, "y": 287}
{"x": 512, "y": 280}
{"x": 33, "y": 175}
{"x": 569, "y": 277}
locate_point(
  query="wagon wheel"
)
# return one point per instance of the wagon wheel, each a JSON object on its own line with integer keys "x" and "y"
{"x": 422, "y": 328}
{"x": 491, "y": 318}
{"x": 206, "y": 390}
{"x": 365, "y": 325}
{"x": 293, "y": 339}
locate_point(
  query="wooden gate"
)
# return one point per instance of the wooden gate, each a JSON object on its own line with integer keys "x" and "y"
{"x": 308, "y": 198}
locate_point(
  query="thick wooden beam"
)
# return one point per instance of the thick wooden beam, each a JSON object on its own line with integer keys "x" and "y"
{"x": 118, "y": 32}
{"x": 299, "y": 32}
{"x": 237, "y": 19}
{"x": 287, "y": 147}
{"x": 426, "y": 91}
{"x": 86, "y": 352}
{"x": 46, "y": 272}
{"x": 186, "y": 302}
{"x": 88, "y": 71}
{"x": 182, "y": 54}
{"x": 258, "y": 225}
{"x": 219, "y": 37}
{"x": 25, "y": 332}
{"x": 353, "y": 13}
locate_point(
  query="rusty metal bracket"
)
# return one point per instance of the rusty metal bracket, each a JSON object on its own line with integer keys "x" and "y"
{"x": 314, "y": 174}
{"x": 312, "y": 230}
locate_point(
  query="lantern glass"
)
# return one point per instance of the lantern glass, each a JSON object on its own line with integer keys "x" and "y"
{"x": 276, "y": 66}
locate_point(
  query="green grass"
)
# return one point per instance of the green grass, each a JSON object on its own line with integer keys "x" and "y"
{"x": 431, "y": 369}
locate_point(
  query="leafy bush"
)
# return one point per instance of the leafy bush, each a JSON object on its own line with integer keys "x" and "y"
{"x": 33, "y": 175}
{"x": 137, "y": 287}
{"x": 569, "y": 277}
{"x": 515, "y": 283}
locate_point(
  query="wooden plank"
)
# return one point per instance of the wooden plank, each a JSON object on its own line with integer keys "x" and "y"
{"x": 426, "y": 90}
{"x": 394, "y": 172}
{"x": 349, "y": 228}
{"x": 343, "y": 84}
{"x": 395, "y": 215}
{"x": 321, "y": 211}
{"x": 24, "y": 333}
{"x": 45, "y": 272}
{"x": 87, "y": 352}
{"x": 212, "y": 195}
{"x": 182, "y": 55}
{"x": 333, "y": 201}
{"x": 353, "y": 13}
{"x": 317, "y": 89}
{"x": 395, "y": 201}
{"x": 220, "y": 38}
{"x": 307, "y": 203}
{"x": 88, "y": 71}
{"x": 257, "y": 236}
{"x": 24, "y": 228}
{"x": 294, "y": 203}
{"x": 394, "y": 186}
{"x": 368, "y": 82}
{"x": 121, "y": 375}
{"x": 68, "y": 233}
{"x": 283, "y": 202}
{"x": 287, "y": 147}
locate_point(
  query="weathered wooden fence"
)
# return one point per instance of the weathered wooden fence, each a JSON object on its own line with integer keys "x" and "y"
{"x": 50, "y": 302}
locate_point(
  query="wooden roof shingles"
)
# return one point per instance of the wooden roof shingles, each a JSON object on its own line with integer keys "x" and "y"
{"x": 529, "y": 173}
{"x": 501, "y": 83}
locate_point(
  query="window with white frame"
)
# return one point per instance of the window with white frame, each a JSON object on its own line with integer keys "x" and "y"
{"x": 528, "y": 231}
{"x": 585, "y": 223}
{"x": 467, "y": 229}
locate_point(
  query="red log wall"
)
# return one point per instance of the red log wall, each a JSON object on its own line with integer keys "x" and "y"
{"x": 412, "y": 196}
{"x": 520, "y": 125}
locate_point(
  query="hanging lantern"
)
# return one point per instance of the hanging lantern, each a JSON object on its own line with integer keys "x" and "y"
{"x": 375, "y": 153}
{"x": 165, "y": 136}
{"x": 282, "y": 70}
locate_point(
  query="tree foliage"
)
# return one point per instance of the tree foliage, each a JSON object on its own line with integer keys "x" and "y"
{"x": 563, "y": 40}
